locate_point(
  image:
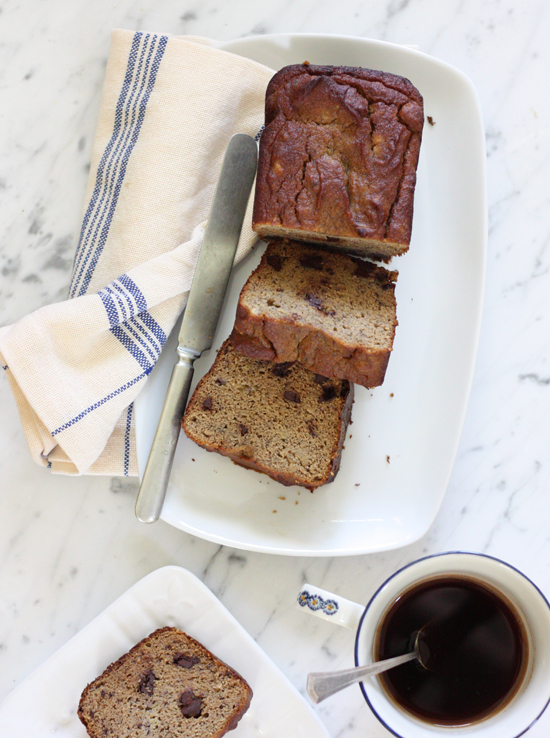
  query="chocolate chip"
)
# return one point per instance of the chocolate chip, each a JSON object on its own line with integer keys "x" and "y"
{"x": 243, "y": 429}
{"x": 364, "y": 268}
{"x": 362, "y": 232}
{"x": 189, "y": 704}
{"x": 318, "y": 303}
{"x": 312, "y": 261}
{"x": 207, "y": 403}
{"x": 315, "y": 301}
{"x": 147, "y": 683}
{"x": 219, "y": 380}
{"x": 282, "y": 369}
{"x": 186, "y": 661}
{"x": 329, "y": 393}
{"x": 344, "y": 390}
{"x": 275, "y": 261}
{"x": 292, "y": 396}
{"x": 320, "y": 379}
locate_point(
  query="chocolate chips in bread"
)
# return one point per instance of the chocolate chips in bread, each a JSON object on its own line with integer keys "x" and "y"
{"x": 338, "y": 157}
{"x": 167, "y": 685}
{"x": 280, "y": 419}
{"x": 333, "y": 313}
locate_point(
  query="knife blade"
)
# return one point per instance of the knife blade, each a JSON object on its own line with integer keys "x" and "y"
{"x": 201, "y": 314}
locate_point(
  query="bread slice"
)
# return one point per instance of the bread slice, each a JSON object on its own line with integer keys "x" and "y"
{"x": 280, "y": 419}
{"x": 333, "y": 313}
{"x": 338, "y": 158}
{"x": 167, "y": 685}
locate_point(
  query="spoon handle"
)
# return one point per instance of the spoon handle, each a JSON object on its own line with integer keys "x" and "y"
{"x": 321, "y": 685}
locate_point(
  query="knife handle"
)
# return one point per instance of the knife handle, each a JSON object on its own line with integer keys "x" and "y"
{"x": 159, "y": 465}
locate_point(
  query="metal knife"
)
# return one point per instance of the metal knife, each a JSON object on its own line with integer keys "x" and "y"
{"x": 201, "y": 314}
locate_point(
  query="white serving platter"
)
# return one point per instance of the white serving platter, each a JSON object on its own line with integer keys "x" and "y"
{"x": 401, "y": 447}
{"x": 45, "y": 703}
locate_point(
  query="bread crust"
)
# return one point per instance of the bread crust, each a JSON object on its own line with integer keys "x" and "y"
{"x": 281, "y": 341}
{"x": 338, "y": 158}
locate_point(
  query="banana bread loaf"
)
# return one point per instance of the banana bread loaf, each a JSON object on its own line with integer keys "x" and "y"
{"x": 167, "y": 685}
{"x": 338, "y": 159}
{"x": 333, "y": 313}
{"x": 280, "y": 419}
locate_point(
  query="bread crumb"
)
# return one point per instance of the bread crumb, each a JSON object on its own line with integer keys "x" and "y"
{"x": 351, "y": 435}
{"x": 391, "y": 394}
{"x": 431, "y": 121}
{"x": 274, "y": 511}
{"x": 358, "y": 484}
{"x": 388, "y": 459}
{"x": 296, "y": 502}
{"x": 282, "y": 498}
{"x": 192, "y": 459}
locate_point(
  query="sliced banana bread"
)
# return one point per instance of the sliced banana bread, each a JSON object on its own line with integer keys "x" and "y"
{"x": 338, "y": 158}
{"x": 280, "y": 419}
{"x": 167, "y": 685}
{"x": 333, "y": 313}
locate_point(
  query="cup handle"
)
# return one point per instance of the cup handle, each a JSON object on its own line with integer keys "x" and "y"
{"x": 326, "y": 605}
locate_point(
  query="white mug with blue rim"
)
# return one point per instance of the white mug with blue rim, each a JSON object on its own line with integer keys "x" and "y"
{"x": 531, "y": 697}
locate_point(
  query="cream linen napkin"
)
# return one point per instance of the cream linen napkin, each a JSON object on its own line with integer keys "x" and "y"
{"x": 169, "y": 107}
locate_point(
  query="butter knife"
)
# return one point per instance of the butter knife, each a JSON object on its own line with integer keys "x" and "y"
{"x": 201, "y": 314}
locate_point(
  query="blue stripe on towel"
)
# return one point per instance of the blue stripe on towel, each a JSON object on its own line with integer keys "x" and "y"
{"x": 121, "y": 132}
{"x": 134, "y": 291}
{"x": 155, "y": 342}
{"x": 130, "y": 112}
{"x": 110, "y": 307}
{"x": 99, "y": 183}
{"x": 145, "y": 344}
{"x": 99, "y": 403}
{"x": 127, "y": 439}
{"x": 151, "y": 324}
{"x": 135, "y": 131}
{"x": 110, "y": 154}
{"x": 131, "y": 346}
{"x": 122, "y": 299}
{"x": 126, "y": 309}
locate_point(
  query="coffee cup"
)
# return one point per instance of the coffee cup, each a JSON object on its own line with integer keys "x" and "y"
{"x": 521, "y": 606}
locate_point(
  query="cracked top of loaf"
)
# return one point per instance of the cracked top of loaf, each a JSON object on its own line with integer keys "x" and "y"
{"x": 338, "y": 159}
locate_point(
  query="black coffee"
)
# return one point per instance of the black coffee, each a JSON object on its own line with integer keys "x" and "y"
{"x": 473, "y": 643}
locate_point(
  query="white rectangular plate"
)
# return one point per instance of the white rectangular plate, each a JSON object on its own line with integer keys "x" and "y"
{"x": 401, "y": 447}
{"x": 45, "y": 704}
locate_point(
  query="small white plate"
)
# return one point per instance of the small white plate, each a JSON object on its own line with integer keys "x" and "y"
{"x": 401, "y": 447}
{"x": 45, "y": 703}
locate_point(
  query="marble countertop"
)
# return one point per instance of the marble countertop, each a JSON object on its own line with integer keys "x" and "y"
{"x": 69, "y": 546}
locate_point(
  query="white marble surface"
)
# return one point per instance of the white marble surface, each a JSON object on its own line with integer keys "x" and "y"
{"x": 70, "y": 546}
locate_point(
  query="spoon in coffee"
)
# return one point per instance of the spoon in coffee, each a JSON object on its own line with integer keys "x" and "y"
{"x": 323, "y": 684}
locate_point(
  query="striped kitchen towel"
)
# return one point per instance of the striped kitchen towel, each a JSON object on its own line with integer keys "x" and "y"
{"x": 169, "y": 107}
